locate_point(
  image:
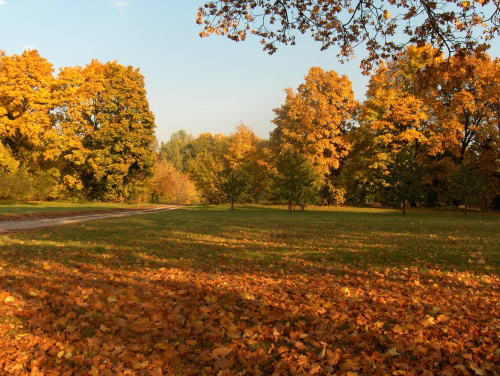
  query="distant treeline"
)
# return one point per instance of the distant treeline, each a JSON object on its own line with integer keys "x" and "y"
{"x": 427, "y": 134}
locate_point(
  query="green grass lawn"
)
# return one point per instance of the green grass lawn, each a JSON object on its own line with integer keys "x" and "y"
{"x": 52, "y": 207}
{"x": 203, "y": 290}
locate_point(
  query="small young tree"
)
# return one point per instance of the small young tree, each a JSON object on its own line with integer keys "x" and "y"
{"x": 234, "y": 183}
{"x": 295, "y": 180}
{"x": 405, "y": 178}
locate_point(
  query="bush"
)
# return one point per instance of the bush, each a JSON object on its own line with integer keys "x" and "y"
{"x": 16, "y": 186}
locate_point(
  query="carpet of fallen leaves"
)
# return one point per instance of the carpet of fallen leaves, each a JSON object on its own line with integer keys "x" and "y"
{"x": 137, "y": 318}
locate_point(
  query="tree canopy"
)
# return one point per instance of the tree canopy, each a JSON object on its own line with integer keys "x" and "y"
{"x": 88, "y": 130}
{"x": 383, "y": 27}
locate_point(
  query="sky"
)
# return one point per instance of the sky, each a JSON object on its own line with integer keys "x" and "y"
{"x": 196, "y": 84}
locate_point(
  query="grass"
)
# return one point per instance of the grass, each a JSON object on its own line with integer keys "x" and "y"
{"x": 201, "y": 290}
{"x": 53, "y": 207}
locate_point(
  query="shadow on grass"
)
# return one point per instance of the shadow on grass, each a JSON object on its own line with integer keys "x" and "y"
{"x": 201, "y": 291}
{"x": 275, "y": 239}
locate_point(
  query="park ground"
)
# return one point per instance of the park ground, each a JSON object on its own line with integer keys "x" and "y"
{"x": 258, "y": 291}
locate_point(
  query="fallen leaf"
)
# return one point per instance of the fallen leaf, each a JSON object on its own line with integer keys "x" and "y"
{"x": 220, "y": 352}
{"x": 139, "y": 365}
{"x": 246, "y": 296}
{"x": 393, "y": 352}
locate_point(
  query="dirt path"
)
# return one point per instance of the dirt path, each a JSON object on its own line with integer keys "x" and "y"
{"x": 67, "y": 218}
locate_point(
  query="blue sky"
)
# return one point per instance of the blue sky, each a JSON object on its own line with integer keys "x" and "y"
{"x": 199, "y": 85}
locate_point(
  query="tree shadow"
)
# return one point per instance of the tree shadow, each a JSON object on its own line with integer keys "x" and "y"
{"x": 148, "y": 296}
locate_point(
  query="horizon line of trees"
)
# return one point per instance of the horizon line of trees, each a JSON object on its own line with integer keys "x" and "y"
{"x": 427, "y": 134}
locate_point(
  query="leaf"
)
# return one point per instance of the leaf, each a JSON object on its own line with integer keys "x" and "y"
{"x": 111, "y": 299}
{"x": 398, "y": 329}
{"x": 139, "y": 365}
{"x": 211, "y": 298}
{"x": 94, "y": 371}
{"x": 163, "y": 346}
{"x": 333, "y": 358}
{"x": 9, "y": 299}
{"x": 443, "y": 318}
{"x": 322, "y": 354}
{"x": 393, "y": 352}
{"x": 387, "y": 15}
{"x": 476, "y": 369}
{"x": 327, "y": 305}
{"x": 155, "y": 372}
{"x": 246, "y": 296}
{"x": 220, "y": 352}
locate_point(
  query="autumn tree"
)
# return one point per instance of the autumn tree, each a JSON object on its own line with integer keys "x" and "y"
{"x": 174, "y": 151}
{"x": 205, "y": 163}
{"x": 404, "y": 180}
{"x": 466, "y": 114}
{"x": 295, "y": 179}
{"x": 385, "y": 28}
{"x": 170, "y": 185}
{"x": 466, "y": 187}
{"x": 401, "y": 112}
{"x": 233, "y": 183}
{"x": 469, "y": 88}
{"x": 109, "y": 128}
{"x": 246, "y": 168}
{"x": 314, "y": 120}
{"x": 399, "y": 104}
{"x": 29, "y": 138}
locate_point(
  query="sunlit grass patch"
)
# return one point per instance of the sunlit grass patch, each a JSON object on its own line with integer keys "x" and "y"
{"x": 53, "y": 207}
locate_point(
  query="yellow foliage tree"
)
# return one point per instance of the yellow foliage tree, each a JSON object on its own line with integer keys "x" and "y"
{"x": 109, "y": 128}
{"x": 28, "y": 135}
{"x": 314, "y": 121}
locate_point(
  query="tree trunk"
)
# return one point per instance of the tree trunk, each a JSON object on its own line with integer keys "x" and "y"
{"x": 404, "y": 207}
{"x": 232, "y": 204}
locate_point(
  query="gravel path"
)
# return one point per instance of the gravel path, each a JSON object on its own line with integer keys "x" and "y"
{"x": 70, "y": 219}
